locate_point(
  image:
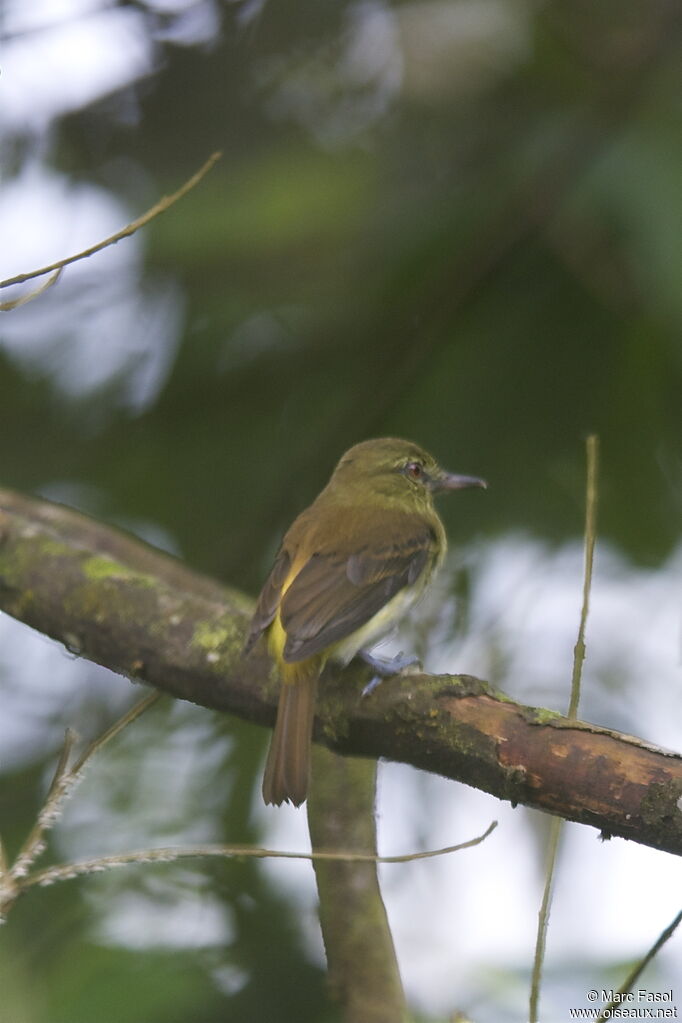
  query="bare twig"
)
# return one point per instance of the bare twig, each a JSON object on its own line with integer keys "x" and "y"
{"x": 14, "y": 303}
{"x": 126, "y": 719}
{"x": 62, "y": 783}
{"x": 168, "y": 854}
{"x": 590, "y": 539}
{"x": 159, "y": 207}
{"x": 638, "y": 969}
{"x": 556, "y": 824}
{"x": 16, "y": 877}
{"x": 4, "y": 863}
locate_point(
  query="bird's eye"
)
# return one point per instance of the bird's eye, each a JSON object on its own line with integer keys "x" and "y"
{"x": 414, "y": 470}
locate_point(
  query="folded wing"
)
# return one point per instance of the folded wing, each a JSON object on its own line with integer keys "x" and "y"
{"x": 335, "y": 593}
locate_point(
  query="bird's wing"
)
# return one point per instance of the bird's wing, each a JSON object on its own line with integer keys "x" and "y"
{"x": 336, "y": 593}
{"x": 269, "y": 599}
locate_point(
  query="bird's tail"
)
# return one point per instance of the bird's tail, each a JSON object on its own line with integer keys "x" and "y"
{"x": 287, "y": 769}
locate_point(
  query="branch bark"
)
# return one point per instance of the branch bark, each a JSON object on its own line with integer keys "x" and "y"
{"x": 363, "y": 970}
{"x": 115, "y": 600}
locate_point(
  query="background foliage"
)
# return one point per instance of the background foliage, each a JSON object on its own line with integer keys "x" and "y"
{"x": 454, "y": 220}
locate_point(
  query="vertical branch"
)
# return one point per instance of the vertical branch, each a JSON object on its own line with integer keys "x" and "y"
{"x": 363, "y": 970}
{"x": 543, "y": 917}
{"x": 590, "y": 539}
{"x": 556, "y": 824}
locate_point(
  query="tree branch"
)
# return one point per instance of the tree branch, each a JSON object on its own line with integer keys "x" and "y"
{"x": 363, "y": 970}
{"x": 115, "y": 600}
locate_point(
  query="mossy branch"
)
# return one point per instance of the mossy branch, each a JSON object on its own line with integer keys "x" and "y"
{"x": 125, "y": 605}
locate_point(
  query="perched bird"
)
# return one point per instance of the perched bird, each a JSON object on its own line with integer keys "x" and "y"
{"x": 348, "y": 568}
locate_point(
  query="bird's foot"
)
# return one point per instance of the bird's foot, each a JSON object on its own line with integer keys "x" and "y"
{"x": 385, "y": 667}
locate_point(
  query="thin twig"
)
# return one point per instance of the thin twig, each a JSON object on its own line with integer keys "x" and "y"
{"x": 49, "y": 813}
{"x": 556, "y": 825}
{"x": 170, "y": 853}
{"x": 4, "y": 863}
{"x": 18, "y": 878}
{"x": 635, "y": 973}
{"x": 543, "y": 917}
{"x": 160, "y": 207}
{"x": 6, "y": 307}
{"x": 63, "y": 782}
{"x": 131, "y": 715}
{"x": 590, "y": 539}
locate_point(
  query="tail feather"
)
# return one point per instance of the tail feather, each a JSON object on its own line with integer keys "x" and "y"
{"x": 287, "y": 769}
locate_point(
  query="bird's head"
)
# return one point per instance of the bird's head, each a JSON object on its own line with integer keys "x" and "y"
{"x": 396, "y": 471}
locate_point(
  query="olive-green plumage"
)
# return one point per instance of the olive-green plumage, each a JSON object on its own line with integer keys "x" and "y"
{"x": 348, "y": 568}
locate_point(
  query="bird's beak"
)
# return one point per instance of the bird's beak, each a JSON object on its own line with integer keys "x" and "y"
{"x": 451, "y": 481}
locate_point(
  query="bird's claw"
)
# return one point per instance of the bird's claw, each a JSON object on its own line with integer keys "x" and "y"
{"x": 385, "y": 667}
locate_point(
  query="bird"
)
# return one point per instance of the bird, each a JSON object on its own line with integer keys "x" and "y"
{"x": 349, "y": 567}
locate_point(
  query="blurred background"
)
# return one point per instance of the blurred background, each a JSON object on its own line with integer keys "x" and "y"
{"x": 458, "y": 221}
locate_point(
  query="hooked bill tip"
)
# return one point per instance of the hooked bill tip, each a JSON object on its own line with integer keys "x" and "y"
{"x": 453, "y": 481}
